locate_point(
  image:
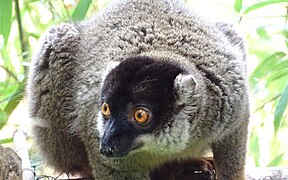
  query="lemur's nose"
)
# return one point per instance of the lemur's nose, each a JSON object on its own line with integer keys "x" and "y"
{"x": 107, "y": 151}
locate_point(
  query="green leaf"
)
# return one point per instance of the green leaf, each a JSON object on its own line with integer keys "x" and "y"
{"x": 276, "y": 76}
{"x": 5, "y": 18}
{"x": 7, "y": 140}
{"x": 262, "y": 4}
{"x": 31, "y": 1}
{"x": 261, "y": 31}
{"x": 278, "y": 71}
{"x": 10, "y": 88}
{"x": 238, "y": 5}
{"x": 285, "y": 33}
{"x": 14, "y": 101}
{"x": 280, "y": 109}
{"x": 276, "y": 161}
{"x": 81, "y": 10}
{"x": 265, "y": 66}
{"x": 281, "y": 65}
{"x": 255, "y": 148}
{"x": 3, "y": 117}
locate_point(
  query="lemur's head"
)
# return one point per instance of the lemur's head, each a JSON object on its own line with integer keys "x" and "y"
{"x": 145, "y": 104}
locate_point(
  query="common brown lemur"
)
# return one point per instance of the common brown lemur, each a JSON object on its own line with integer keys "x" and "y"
{"x": 141, "y": 84}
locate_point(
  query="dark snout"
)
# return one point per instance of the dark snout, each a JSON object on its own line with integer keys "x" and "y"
{"x": 117, "y": 140}
{"x": 113, "y": 150}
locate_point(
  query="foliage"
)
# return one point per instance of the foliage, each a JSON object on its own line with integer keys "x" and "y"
{"x": 13, "y": 69}
{"x": 269, "y": 80}
{"x": 22, "y": 23}
{"x": 81, "y": 10}
{"x": 6, "y": 17}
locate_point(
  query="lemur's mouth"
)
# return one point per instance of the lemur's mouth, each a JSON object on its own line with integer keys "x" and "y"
{"x": 137, "y": 146}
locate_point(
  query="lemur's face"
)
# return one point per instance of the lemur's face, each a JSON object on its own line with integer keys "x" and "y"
{"x": 138, "y": 108}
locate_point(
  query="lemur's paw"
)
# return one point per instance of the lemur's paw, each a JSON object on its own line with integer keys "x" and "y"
{"x": 194, "y": 169}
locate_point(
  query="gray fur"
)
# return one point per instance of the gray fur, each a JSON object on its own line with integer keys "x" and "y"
{"x": 65, "y": 83}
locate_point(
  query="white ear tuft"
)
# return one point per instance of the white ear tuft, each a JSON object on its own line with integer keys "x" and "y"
{"x": 185, "y": 86}
{"x": 110, "y": 66}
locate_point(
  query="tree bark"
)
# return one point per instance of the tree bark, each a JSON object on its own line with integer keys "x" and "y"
{"x": 10, "y": 165}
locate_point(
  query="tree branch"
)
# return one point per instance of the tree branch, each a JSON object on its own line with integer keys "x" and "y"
{"x": 270, "y": 100}
{"x": 66, "y": 10}
{"x": 9, "y": 72}
{"x": 24, "y": 48}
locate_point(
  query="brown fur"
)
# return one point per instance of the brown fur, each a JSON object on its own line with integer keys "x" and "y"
{"x": 65, "y": 83}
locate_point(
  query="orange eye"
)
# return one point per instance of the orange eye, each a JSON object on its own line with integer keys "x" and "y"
{"x": 105, "y": 109}
{"x": 141, "y": 116}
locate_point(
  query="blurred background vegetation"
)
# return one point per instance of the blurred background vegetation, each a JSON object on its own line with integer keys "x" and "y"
{"x": 264, "y": 27}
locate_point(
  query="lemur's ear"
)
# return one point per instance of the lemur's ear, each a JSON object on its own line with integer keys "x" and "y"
{"x": 110, "y": 66}
{"x": 230, "y": 31}
{"x": 185, "y": 87}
